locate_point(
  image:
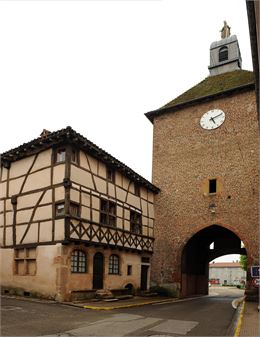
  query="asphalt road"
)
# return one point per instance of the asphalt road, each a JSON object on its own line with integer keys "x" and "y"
{"x": 205, "y": 316}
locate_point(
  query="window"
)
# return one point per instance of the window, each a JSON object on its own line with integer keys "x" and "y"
{"x": 108, "y": 213}
{"x": 113, "y": 265}
{"x": 74, "y": 210}
{"x": 129, "y": 270}
{"x": 78, "y": 262}
{"x": 60, "y": 155}
{"x": 110, "y": 175}
{"x": 212, "y": 186}
{"x": 135, "y": 222}
{"x": 223, "y": 54}
{"x": 74, "y": 156}
{"x": 59, "y": 209}
{"x": 137, "y": 190}
{"x": 25, "y": 261}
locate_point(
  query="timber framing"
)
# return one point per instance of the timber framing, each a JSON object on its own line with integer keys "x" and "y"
{"x": 69, "y": 136}
{"x": 42, "y": 175}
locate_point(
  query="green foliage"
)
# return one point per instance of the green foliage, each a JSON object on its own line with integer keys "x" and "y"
{"x": 243, "y": 262}
{"x": 163, "y": 291}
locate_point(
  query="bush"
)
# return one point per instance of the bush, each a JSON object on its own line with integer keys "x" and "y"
{"x": 164, "y": 291}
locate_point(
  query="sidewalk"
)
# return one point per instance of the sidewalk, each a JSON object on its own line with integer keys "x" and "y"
{"x": 248, "y": 322}
{"x": 126, "y": 303}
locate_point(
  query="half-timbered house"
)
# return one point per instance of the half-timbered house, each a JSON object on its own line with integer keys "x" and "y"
{"x": 73, "y": 219}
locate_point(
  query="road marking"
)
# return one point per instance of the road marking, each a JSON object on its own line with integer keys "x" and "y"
{"x": 124, "y": 324}
{"x": 10, "y": 307}
{"x": 238, "y": 328}
{"x": 181, "y": 300}
{"x": 175, "y": 326}
{"x": 117, "y": 325}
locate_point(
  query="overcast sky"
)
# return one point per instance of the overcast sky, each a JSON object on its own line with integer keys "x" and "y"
{"x": 98, "y": 66}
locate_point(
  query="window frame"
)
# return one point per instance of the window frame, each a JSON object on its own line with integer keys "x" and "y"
{"x": 74, "y": 156}
{"x": 74, "y": 204}
{"x": 57, "y": 204}
{"x": 110, "y": 174}
{"x": 137, "y": 190}
{"x": 63, "y": 156}
{"x": 135, "y": 222}
{"x": 129, "y": 270}
{"x": 76, "y": 262}
{"x": 105, "y": 213}
{"x": 114, "y": 265}
{"x": 223, "y": 54}
{"x": 212, "y": 183}
{"x": 25, "y": 259}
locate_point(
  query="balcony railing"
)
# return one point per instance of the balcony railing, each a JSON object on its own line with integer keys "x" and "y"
{"x": 100, "y": 234}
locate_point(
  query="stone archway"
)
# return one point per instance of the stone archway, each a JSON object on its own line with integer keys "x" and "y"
{"x": 197, "y": 254}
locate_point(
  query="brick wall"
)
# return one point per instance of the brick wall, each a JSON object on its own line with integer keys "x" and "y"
{"x": 185, "y": 157}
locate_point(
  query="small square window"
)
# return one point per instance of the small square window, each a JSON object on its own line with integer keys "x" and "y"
{"x": 74, "y": 210}
{"x": 212, "y": 186}
{"x": 74, "y": 157}
{"x": 129, "y": 270}
{"x": 59, "y": 209}
{"x": 137, "y": 190}
{"x": 60, "y": 155}
{"x": 110, "y": 175}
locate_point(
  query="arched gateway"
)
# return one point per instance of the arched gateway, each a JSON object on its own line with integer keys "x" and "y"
{"x": 206, "y": 164}
{"x": 206, "y": 245}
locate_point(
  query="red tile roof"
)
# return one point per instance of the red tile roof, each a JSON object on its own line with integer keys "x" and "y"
{"x": 225, "y": 265}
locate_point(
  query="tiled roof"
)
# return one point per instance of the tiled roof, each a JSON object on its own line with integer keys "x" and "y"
{"x": 210, "y": 88}
{"x": 68, "y": 135}
{"x": 225, "y": 265}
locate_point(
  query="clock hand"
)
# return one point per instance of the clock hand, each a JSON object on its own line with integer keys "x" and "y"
{"x": 212, "y": 119}
{"x": 217, "y": 116}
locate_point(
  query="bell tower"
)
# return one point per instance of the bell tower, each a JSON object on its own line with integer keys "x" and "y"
{"x": 205, "y": 162}
{"x": 225, "y": 54}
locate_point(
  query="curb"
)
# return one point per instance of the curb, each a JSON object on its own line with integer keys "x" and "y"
{"x": 127, "y": 305}
{"x": 165, "y": 301}
{"x": 236, "y": 302}
{"x": 239, "y": 323}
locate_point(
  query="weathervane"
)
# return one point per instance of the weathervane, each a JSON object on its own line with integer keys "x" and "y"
{"x": 225, "y": 31}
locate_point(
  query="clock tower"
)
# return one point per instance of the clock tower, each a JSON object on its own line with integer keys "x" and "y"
{"x": 205, "y": 162}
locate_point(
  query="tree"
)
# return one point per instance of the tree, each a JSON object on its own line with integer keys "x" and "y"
{"x": 243, "y": 262}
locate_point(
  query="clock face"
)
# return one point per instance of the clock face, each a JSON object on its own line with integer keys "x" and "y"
{"x": 212, "y": 119}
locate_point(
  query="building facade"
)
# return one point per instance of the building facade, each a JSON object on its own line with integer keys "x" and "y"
{"x": 73, "y": 219}
{"x": 206, "y": 162}
{"x": 227, "y": 273}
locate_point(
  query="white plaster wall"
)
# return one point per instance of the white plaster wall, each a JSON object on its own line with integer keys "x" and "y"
{"x": 44, "y": 282}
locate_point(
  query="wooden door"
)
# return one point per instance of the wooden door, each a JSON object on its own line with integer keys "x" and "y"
{"x": 98, "y": 271}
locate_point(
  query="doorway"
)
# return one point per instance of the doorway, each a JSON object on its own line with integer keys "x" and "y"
{"x": 98, "y": 271}
{"x": 144, "y": 277}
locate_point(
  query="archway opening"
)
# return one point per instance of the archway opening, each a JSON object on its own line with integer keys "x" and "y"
{"x": 227, "y": 271}
{"x": 203, "y": 247}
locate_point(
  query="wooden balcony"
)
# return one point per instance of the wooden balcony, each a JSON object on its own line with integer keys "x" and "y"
{"x": 112, "y": 236}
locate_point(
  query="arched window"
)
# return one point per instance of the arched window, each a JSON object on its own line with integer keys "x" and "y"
{"x": 113, "y": 264}
{"x": 78, "y": 262}
{"x": 223, "y": 54}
